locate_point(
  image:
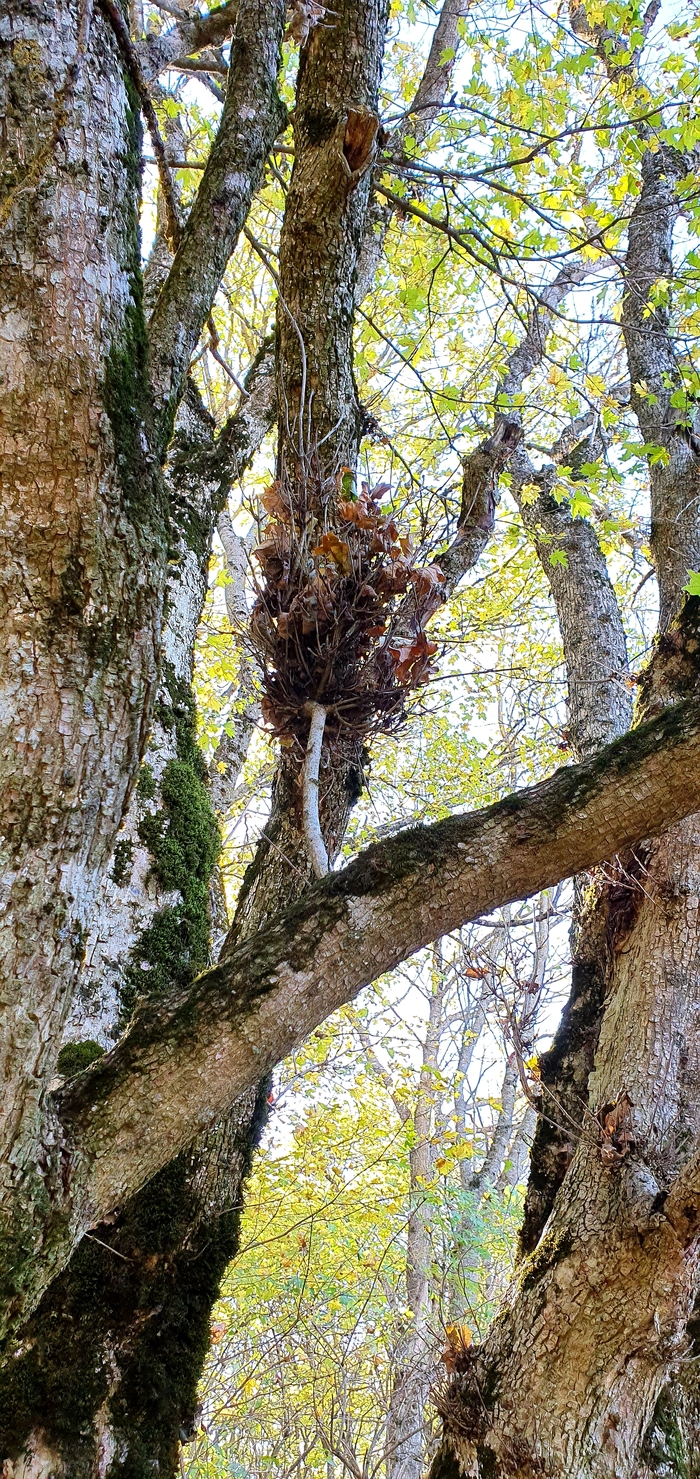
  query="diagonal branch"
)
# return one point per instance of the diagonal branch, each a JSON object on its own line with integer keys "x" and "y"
{"x": 186, "y": 1058}
{"x": 190, "y": 35}
{"x": 483, "y": 466}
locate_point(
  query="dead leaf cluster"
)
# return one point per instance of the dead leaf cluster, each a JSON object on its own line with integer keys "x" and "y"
{"x": 458, "y": 1353}
{"x": 323, "y": 625}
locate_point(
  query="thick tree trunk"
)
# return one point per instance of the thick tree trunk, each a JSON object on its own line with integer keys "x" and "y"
{"x": 119, "y": 1389}
{"x": 84, "y": 519}
{"x": 132, "y": 1408}
{"x": 576, "y": 1361}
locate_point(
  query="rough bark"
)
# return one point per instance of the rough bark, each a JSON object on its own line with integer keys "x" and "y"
{"x": 599, "y": 692}
{"x": 119, "y": 1388}
{"x": 191, "y": 34}
{"x": 652, "y": 356}
{"x": 596, "y": 660}
{"x": 597, "y": 1318}
{"x": 107, "y": 1378}
{"x": 84, "y": 519}
{"x": 584, "y": 1305}
{"x": 335, "y": 139}
{"x": 572, "y": 1368}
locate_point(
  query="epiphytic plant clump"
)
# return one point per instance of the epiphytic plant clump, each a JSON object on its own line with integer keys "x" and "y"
{"x": 339, "y": 615}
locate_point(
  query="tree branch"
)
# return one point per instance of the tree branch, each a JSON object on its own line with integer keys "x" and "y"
{"x": 593, "y": 636}
{"x": 251, "y": 119}
{"x": 318, "y": 857}
{"x": 191, "y": 34}
{"x": 185, "y": 1059}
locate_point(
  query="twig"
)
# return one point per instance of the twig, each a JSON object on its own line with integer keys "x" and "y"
{"x": 313, "y": 838}
{"x": 108, "y": 1246}
{"x": 213, "y": 347}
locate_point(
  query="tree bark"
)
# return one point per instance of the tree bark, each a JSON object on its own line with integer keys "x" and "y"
{"x": 84, "y": 517}
{"x": 109, "y": 1390}
{"x": 603, "y": 1327}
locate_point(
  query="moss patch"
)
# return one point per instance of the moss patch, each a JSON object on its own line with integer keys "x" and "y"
{"x": 126, "y": 387}
{"x": 139, "y": 1307}
{"x": 123, "y": 858}
{"x": 183, "y": 840}
{"x": 76, "y": 1056}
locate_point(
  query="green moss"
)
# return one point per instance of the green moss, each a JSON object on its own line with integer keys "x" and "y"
{"x": 77, "y": 1055}
{"x": 551, "y": 1250}
{"x": 123, "y": 858}
{"x": 126, "y": 1327}
{"x": 126, "y": 386}
{"x": 183, "y": 840}
{"x": 146, "y": 783}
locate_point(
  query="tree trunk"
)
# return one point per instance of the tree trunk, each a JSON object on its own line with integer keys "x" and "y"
{"x": 574, "y": 1365}
{"x": 84, "y": 516}
{"x": 108, "y": 1392}
{"x": 568, "y": 1378}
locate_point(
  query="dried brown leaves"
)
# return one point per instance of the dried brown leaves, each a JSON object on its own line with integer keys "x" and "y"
{"x": 616, "y": 1131}
{"x": 326, "y": 606}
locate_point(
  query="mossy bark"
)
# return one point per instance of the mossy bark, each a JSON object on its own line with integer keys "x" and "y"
{"x": 111, "y": 1358}
{"x": 106, "y": 1378}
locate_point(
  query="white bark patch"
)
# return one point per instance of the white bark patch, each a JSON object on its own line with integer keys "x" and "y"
{"x": 15, "y": 357}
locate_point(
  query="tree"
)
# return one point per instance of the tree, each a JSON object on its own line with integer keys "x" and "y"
{"x": 121, "y": 1181}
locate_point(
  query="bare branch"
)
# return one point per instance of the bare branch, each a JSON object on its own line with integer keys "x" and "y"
{"x": 316, "y": 848}
{"x": 251, "y": 119}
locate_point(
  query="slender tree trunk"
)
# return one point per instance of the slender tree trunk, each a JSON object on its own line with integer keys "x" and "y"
{"x": 414, "y": 1361}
